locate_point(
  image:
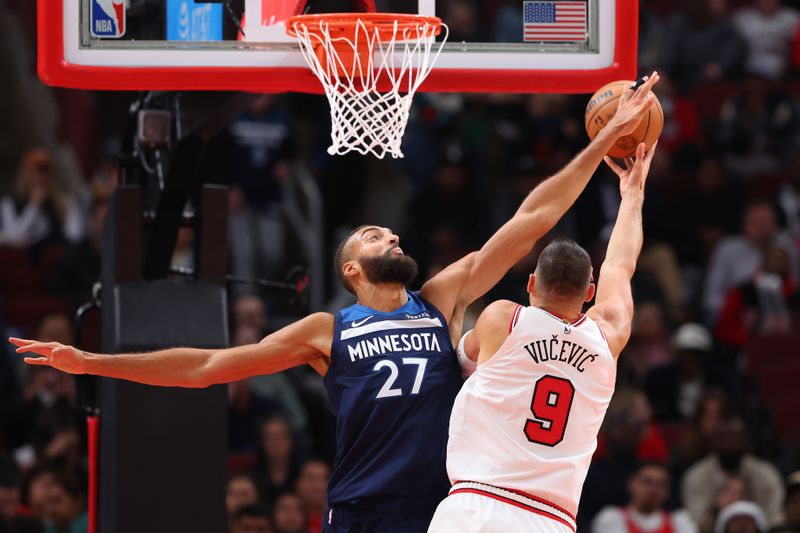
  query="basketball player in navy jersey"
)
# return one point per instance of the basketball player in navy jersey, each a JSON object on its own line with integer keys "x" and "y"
{"x": 388, "y": 361}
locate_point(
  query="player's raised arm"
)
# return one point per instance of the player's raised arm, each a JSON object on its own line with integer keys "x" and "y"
{"x": 613, "y": 308}
{"x": 468, "y": 279}
{"x": 306, "y": 341}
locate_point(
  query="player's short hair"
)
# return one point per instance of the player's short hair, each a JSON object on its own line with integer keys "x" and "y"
{"x": 564, "y": 269}
{"x": 343, "y": 255}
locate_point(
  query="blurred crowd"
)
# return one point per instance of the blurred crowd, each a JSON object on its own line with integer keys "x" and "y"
{"x": 702, "y": 432}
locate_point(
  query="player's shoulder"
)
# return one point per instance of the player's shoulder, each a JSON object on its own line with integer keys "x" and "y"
{"x": 501, "y": 306}
{"x": 606, "y": 312}
{"x": 315, "y": 322}
{"x": 320, "y": 323}
{"x": 449, "y": 278}
{"x": 615, "y": 322}
{"x": 314, "y": 330}
{"x": 321, "y": 317}
{"x": 497, "y": 313}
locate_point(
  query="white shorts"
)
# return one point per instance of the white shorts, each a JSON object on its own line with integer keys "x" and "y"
{"x": 474, "y": 507}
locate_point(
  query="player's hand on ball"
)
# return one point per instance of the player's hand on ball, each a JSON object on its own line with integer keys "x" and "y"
{"x": 633, "y": 105}
{"x": 634, "y": 175}
{"x": 53, "y": 354}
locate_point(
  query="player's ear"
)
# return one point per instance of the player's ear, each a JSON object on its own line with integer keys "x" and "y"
{"x": 590, "y": 292}
{"x": 350, "y": 269}
{"x": 531, "y": 283}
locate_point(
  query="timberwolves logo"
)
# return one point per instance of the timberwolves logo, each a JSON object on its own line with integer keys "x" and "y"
{"x": 108, "y": 18}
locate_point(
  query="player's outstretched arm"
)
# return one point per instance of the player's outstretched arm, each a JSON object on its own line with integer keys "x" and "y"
{"x": 613, "y": 308}
{"x": 306, "y": 341}
{"x": 468, "y": 279}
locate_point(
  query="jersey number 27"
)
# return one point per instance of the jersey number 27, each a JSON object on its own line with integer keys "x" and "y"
{"x": 550, "y": 405}
{"x": 387, "y": 391}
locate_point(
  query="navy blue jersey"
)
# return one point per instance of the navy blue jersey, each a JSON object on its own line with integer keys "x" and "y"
{"x": 392, "y": 382}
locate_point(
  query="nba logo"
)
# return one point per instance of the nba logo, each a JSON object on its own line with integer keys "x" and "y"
{"x": 108, "y": 18}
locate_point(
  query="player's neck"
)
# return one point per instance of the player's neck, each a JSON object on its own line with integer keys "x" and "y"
{"x": 384, "y": 297}
{"x": 564, "y": 310}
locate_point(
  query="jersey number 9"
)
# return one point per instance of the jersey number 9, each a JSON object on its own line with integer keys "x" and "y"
{"x": 550, "y": 405}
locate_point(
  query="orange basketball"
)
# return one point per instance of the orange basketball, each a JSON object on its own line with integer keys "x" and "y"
{"x": 601, "y": 109}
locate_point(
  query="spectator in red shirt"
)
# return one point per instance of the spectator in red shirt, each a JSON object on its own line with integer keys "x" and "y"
{"x": 768, "y": 303}
{"x": 649, "y": 490}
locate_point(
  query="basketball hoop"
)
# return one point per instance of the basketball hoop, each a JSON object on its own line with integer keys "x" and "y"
{"x": 370, "y": 65}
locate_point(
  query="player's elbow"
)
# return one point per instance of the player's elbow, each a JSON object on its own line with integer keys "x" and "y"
{"x": 203, "y": 375}
{"x": 542, "y": 220}
{"x": 628, "y": 269}
{"x": 470, "y": 259}
{"x": 195, "y": 380}
{"x": 624, "y": 267}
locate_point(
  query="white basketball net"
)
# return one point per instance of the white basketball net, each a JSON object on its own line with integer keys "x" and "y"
{"x": 364, "y": 118}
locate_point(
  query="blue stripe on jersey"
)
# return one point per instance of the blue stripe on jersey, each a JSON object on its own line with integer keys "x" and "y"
{"x": 392, "y": 383}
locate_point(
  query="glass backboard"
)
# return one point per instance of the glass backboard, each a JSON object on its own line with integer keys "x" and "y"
{"x": 497, "y": 46}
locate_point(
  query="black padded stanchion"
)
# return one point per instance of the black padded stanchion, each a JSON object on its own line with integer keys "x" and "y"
{"x": 162, "y": 450}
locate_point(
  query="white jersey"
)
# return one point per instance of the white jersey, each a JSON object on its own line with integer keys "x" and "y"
{"x": 527, "y": 419}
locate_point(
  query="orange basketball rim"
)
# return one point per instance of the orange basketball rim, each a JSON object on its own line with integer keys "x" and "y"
{"x": 345, "y": 33}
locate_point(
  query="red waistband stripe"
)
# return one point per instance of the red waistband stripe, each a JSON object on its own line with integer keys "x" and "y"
{"x": 517, "y": 499}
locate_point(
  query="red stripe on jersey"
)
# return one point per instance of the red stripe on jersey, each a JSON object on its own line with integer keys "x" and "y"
{"x": 514, "y": 318}
{"x": 603, "y": 333}
{"x": 515, "y": 504}
{"x": 545, "y": 502}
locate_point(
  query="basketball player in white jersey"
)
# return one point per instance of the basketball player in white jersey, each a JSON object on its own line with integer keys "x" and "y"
{"x": 524, "y": 425}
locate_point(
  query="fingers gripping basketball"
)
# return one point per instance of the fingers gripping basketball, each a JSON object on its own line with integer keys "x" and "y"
{"x": 603, "y": 106}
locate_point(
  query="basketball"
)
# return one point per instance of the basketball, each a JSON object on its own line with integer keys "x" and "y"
{"x": 601, "y": 108}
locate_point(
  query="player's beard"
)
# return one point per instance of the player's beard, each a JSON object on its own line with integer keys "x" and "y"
{"x": 389, "y": 268}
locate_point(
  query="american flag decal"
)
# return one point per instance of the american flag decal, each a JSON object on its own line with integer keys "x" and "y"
{"x": 563, "y": 21}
